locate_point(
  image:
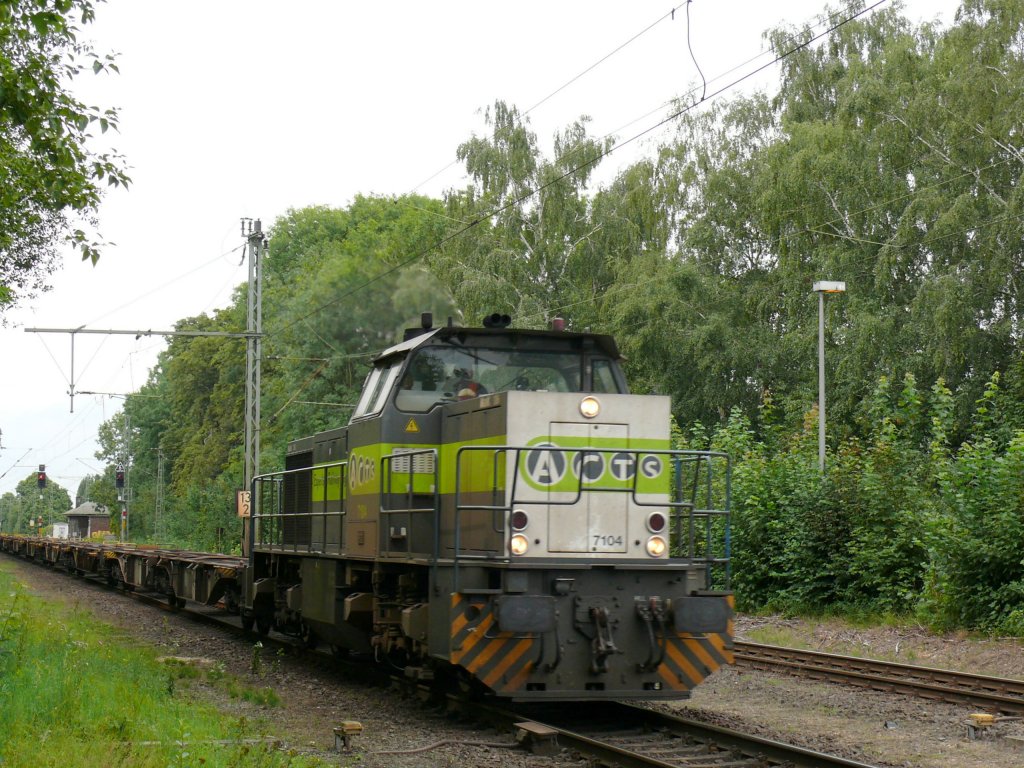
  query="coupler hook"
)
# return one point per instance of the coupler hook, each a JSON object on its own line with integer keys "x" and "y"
{"x": 653, "y": 611}
{"x": 603, "y": 644}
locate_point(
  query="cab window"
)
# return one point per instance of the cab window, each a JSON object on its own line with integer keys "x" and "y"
{"x": 376, "y": 390}
{"x": 369, "y": 388}
{"x": 386, "y": 385}
{"x": 443, "y": 374}
{"x": 602, "y": 379}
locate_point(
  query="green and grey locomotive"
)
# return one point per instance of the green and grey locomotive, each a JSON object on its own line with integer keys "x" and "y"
{"x": 501, "y": 508}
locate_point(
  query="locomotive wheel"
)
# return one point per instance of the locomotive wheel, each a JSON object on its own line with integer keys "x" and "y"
{"x": 248, "y": 620}
{"x": 263, "y": 624}
{"x": 308, "y": 637}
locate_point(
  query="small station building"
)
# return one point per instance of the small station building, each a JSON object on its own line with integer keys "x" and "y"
{"x": 86, "y": 519}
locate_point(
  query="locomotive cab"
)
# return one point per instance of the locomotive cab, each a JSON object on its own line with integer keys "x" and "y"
{"x": 501, "y": 506}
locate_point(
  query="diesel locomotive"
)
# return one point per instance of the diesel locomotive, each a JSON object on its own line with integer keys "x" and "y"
{"x": 501, "y": 509}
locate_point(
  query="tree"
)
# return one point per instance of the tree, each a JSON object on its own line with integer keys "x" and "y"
{"x": 889, "y": 157}
{"x": 338, "y": 286}
{"x": 533, "y": 253}
{"x": 50, "y": 179}
{"x": 28, "y": 502}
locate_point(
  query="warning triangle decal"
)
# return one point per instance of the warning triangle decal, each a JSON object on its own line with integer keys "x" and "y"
{"x": 412, "y": 426}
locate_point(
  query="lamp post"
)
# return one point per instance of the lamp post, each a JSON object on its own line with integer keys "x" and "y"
{"x": 821, "y": 288}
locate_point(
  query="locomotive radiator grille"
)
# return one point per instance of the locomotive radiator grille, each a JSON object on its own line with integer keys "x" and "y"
{"x": 422, "y": 463}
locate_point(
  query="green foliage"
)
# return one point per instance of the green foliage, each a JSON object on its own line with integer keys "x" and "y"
{"x": 897, "y": 524}
{"x": 533, "y": 251}
{"x": 978, "y": 578}
{"x": 28, "y": 502}
{"x": 51, "y": 180}
{"x": 337, "y": 290}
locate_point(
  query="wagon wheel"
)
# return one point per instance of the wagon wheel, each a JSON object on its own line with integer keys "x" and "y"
{"x": 248, "y": 619}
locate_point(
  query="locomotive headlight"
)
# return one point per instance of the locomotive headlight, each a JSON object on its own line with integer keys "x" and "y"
{"x": 518, "y": 544}
{"x": 656, "y": 546}
{"x": 589, "y": 407}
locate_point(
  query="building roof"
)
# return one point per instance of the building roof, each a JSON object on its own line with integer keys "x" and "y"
{"x": 88, "y": 509}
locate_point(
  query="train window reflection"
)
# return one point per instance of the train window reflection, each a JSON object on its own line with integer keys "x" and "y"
{"x": 369, "y": 390}
{"x": 439, "y": 374}
{"x": 602, "y": 377}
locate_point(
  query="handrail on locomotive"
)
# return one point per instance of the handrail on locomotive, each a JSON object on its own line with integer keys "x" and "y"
{"x": 684, "y": 543}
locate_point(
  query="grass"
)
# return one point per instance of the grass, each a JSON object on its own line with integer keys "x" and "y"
{"x": 74, "y": 692}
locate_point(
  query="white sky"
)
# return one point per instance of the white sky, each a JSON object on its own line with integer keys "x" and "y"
{"x": 246, "y": 108}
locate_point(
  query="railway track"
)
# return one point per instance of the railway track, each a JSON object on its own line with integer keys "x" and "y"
{"x": 995, "y": 694}
{"x": 619, "y": 734}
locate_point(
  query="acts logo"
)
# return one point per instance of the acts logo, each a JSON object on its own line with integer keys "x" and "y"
{"x": 551, "y": 467}
{"x": 545, "y": 464}
{"x": 361, "y": 471}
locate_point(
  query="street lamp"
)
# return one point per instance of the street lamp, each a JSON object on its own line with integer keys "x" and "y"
{"x": 821, "y": 288}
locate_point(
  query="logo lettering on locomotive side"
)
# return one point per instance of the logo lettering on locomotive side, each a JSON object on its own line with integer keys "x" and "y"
{"x": 545, "y": 467}
{"x": 361, "y": 471}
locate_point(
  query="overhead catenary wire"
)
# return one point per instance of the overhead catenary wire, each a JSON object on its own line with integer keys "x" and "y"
{"x": 572, "y": 171}
{"x": 566, "y": 84}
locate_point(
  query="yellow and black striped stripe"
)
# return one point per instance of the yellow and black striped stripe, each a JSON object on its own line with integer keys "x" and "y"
{"x": 504, "y": 661}
{"x": 501, "y": 660}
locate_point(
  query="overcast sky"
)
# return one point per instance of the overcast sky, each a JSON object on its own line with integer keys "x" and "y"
{"x": 246, "y": 108}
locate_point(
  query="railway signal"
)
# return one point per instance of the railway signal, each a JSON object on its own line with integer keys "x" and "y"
{"x": 41, "y": 477}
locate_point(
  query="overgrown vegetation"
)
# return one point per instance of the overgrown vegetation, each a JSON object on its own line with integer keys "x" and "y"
{"x": 72, "y": 693}
{"x": 901, "y": 522}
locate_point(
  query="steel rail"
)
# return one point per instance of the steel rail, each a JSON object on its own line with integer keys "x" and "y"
{"x": 615, "y": 733}
{"x": 1003, "y": 695}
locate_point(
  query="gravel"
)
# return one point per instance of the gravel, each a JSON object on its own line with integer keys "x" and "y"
{"x": 398, "y": 730}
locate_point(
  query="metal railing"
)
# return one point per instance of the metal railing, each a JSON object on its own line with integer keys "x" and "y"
{"x": 271, "y": 529}
{"x": 695, "y": 494}
{"x": 410, "y": 495}
{"x": 694, "y": 522}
